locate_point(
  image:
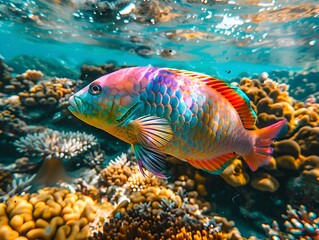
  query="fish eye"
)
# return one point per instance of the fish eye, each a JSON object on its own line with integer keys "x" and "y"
{"x": 95, "y": 89}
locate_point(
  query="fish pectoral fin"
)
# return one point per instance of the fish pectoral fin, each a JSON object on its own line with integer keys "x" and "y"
{"x": 214, "y": 165}
{"x": 151, "y": 131}
{"x": 153, "y": 160}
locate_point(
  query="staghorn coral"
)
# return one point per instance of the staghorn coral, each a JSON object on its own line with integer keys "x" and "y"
{"x": 19, "y": 185}
{"x": 299, "y": 223}
{"x": 51, "y": 213}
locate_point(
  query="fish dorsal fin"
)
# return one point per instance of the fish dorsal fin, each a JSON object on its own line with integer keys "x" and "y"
{"x": 233, "y": 94}
{"x": 215, "y": 165}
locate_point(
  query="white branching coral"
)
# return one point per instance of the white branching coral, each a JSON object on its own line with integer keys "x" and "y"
{"x": 119, "y": 161}
{"x": 54, "y": 149}
{"x": 19, "y": 185}
{"x": 51, "y": 143}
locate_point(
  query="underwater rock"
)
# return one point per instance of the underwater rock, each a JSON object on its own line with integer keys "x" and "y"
{"x": 50, "y": 67}
{"x": 5, "y": 75}
{"x": 90, "y": 72}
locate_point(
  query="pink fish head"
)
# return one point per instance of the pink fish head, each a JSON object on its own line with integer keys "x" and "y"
{"x": 106, "y": 101}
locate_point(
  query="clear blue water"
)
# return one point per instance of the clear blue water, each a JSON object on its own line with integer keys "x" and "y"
{"x": 222, "y": 38}
{"x": 213, "y": 37}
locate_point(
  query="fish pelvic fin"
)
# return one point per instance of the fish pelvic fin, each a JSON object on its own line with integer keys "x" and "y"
{"x": 215, "y": 165}
{"x": 151, "y": 159}
{"x": 262, "y": 150}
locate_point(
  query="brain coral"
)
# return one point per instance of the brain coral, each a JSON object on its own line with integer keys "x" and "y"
{"x": 51, "y": 213}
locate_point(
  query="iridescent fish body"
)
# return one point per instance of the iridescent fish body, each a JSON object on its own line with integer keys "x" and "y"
{"x": 194, "y": 117}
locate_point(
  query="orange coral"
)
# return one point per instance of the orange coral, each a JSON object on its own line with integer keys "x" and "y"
{"x": 47, "y": 92}
{"x": 33, "y": 75}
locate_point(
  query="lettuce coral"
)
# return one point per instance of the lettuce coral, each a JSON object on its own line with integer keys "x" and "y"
{"x": 51, "y": 213}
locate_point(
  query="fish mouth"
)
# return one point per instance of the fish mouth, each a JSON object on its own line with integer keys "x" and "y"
{"x": 76, "y": 105}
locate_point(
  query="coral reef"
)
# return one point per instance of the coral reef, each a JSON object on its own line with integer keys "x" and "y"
{"x": 272, "y": 103}
{"x": 51, "y": 213}
{"x": 5, "y": 75}
{"x": 29, "y": 98}
{"x": 92, "y": 72}
{"x": 191, "y": 204}
{"x": 53, "y": 147}
{"x": 47, "y": 92}
{"x": 299, "y": 224}
{"x": 146, "y": 208}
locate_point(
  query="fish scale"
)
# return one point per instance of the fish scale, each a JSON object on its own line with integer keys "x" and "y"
{"x": 195, "y": 123}
{"x": 194, "y": 117}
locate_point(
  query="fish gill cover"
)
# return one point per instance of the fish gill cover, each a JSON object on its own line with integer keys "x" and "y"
{"x": 62, "y": 179}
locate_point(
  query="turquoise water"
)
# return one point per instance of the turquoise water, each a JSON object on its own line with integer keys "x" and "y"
{"x": 213, "y": 37}
{"x": 227, "y": 39}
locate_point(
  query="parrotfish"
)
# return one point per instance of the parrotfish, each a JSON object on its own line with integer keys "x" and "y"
{"x": 194, "y": 117}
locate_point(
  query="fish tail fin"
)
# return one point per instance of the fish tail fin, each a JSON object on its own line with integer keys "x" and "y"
{"x": 264, "y": 138}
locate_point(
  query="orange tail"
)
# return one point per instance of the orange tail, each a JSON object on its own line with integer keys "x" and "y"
{"x": 262, "y": 151}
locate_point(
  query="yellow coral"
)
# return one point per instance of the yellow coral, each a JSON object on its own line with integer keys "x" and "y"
{"x": 33, "y": 75}
{"x": 234, "y": 174}
{"x": 52, "y": 213}
{"x": 264, "y": 182}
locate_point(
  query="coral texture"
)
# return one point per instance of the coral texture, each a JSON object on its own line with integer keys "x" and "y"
{"x": 145, "y": 208}
{"x": 51, "y": 213}
{"x": 299, "y": 223}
